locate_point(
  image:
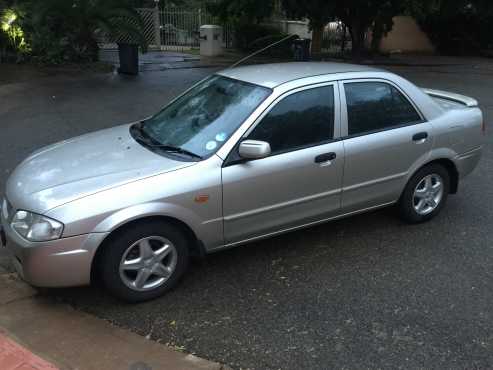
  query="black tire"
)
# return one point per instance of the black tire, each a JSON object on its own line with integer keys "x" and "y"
{"x": 406, "y": 202}
{"x": 117, "y": 246}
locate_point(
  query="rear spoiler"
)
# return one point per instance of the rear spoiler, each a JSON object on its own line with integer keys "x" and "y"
{"x": 466, "y": 100}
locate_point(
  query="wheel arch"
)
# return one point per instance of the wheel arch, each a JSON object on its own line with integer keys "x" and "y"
{"x": 451, "y": 168}
{"x": 196, "y": 247}
{"x": 448, "y": 164}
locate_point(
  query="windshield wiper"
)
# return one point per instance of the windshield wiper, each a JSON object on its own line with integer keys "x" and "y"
{"x": 175, "y": 149}
{"x": 151, "y": 143}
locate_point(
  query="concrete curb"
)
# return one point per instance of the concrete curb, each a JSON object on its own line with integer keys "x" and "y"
{"x": 74, "y": 340}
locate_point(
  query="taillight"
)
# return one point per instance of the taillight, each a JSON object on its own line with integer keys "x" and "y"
{"x": 483, "y": 127}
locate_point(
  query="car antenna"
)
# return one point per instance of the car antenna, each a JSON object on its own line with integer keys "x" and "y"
{"x": 261, "y": 50}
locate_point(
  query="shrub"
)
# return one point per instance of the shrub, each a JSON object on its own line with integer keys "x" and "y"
{"x": 454, "y": 34}
{"x": 13, "y": 43}
{"x": 459, "y": 26}
{"x": 59, "y": 31}
{"x": 283, "y": 49}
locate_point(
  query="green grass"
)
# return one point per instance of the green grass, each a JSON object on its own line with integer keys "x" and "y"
{"x": 193, "y": 51}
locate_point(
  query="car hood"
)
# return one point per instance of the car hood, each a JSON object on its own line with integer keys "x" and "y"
{"x": 75, "y": 168}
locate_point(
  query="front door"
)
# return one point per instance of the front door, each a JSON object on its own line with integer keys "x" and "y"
{"x": 385, "y": 137}
{"x": 300, "y": 182}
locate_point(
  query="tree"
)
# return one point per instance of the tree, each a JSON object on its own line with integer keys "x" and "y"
{"x": 318, "y": 13}
{"x": 362, "y": 15}
{"x": 455, "y": 26}
{"x": 241, "y": 11}
{"x": 13, "y": 42}
{"x": 245, "y": 16}
{"x": 67, "y": 30}
{"x": 358, "y": 15}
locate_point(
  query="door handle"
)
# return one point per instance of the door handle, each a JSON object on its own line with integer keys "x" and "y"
{"x": 326, "y": 157}
{"x": 420, "y": 136}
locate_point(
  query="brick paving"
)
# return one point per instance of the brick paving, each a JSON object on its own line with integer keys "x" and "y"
{"x": 15, "y": 357}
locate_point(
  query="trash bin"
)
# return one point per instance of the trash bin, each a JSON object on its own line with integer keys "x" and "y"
{"x": 301, "y": 49}
{"x": 129, "y": 58}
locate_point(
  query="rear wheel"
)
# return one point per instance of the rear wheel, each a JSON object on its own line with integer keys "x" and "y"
{"x": 425, "y": 194}
{"x": 144, "y": 261}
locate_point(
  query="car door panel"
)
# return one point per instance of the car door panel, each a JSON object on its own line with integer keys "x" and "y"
{"x": 377, "y": 164}
{"x": 280, "y": 192}
{"x": 297, "y": 184}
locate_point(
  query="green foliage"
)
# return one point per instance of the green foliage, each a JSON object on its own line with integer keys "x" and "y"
{"x": 12, "y": 36}
{"x": 241, "y": 11}
{"x": 361, "y": 15}
{"x": 455, "y": 26}
{"x": 192, "y": 4}
{"x": 251, "y": 36}
{"x": 357, "y": 15}
{"x": 318, "y": 12}
{"x": 245, "y": 17}
{"x": 66, "y": 30}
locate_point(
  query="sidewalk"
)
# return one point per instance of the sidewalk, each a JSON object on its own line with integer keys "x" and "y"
{"x": 39, "y": 334}
{"x": 165, "y": 60}
{"x": 15, "y": 357}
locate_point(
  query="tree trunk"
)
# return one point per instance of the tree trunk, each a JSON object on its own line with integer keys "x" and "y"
{"x": 343, "y": 39}
{"x": 317, "y": 35}
{"x": 376, "y": 36}
{"x": 358, "y": 40}
{"x": 87, "y": 41}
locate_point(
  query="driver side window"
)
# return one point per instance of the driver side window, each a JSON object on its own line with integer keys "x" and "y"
{"x": 302, "y": 119}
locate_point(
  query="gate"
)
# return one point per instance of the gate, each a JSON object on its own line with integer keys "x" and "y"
{"x": 172, "y": 29}
{"x": 179, "y": 28}
{"x": 336, "y": 38}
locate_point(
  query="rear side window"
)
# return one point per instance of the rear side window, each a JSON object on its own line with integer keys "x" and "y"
{"x": 302, "y": 119}
{"x": 375, "y": 106}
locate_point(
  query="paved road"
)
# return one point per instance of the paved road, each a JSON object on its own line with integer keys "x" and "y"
{"x": 365, "y": 292}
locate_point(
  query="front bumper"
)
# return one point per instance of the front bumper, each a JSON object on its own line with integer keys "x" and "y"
{"x": 58, "y": 263}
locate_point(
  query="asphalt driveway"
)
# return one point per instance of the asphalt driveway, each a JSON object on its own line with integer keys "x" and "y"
{"x": 364, "y": 292}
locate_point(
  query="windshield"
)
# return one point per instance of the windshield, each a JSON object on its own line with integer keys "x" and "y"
{"x": 200, "y": 121}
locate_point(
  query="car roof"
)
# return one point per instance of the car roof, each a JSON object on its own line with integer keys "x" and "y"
{"x": 275, "y": 74}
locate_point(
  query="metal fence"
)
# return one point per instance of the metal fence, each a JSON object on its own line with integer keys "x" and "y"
{"x": 179, "y": 28}
{"x": 150, "y": 18}
{"x": 173, "y": 29}
{"x": 336, "y": 38}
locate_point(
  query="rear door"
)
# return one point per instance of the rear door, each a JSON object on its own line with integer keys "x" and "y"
{"x": 300, "y": 182}
{"x": 385, "y": 135}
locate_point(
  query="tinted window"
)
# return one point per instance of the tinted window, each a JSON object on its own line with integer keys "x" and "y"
{"x": 301, "y": 119}
{"x": 374, "y": 106}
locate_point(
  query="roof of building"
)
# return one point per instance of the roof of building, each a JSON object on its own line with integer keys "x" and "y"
{"x": 275, "y": 74}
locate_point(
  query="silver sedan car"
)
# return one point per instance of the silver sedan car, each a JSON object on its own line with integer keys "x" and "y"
{"x": 245, "y": 154}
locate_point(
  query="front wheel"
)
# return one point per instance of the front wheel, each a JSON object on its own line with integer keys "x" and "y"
{"x": 144, "y": 261}
{"x": 425, "y": 194}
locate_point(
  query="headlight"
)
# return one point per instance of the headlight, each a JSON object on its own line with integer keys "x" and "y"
{"x": 36, "y": 228}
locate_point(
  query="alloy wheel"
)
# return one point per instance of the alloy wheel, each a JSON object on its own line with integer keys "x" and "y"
{"x": 428, "y": 194}
{"x": 148, "y": 263}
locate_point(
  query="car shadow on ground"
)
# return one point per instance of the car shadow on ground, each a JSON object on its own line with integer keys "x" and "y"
{"x": 325, "y": 241}
{"x": 320, "y": 297}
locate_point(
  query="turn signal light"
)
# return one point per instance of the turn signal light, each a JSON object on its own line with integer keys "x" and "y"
{"x": 202, "y": 198}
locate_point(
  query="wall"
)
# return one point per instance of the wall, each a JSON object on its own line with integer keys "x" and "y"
{"x": 406, "y": 37}
{"x": 299, "y": 28}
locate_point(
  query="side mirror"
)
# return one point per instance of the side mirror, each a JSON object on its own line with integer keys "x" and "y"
{"x": 254, "y": 149}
